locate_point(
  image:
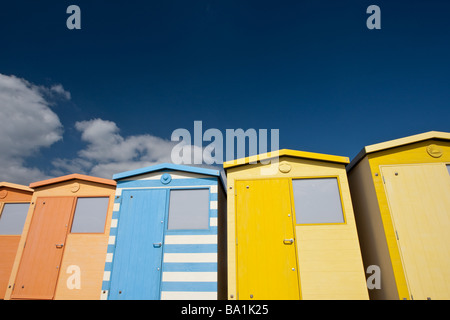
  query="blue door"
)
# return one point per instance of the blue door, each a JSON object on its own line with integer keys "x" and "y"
{"x": 136, "y": 271}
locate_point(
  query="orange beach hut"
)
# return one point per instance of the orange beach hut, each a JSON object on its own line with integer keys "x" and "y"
{"x": 62, "y": 250}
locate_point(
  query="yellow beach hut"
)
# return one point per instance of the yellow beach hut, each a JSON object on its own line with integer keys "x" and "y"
{"x": 291, "y": 228}
{"x": 401, "y": 196}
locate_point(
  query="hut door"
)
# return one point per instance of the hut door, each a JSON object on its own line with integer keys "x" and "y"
{"x": 419, "y": 201}
{"x": 136, "y": 272}
{"x": 265, "y": 245}
{"x": 41, "y": 259}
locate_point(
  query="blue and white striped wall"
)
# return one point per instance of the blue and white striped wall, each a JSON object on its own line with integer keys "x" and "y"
{"x": 189, "y": 264}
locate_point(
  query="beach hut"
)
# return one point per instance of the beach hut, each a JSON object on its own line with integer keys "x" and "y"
{"x": 62, "y": 250}
{"x": 167, "y": 235}
{"x": 401, "y": 196}
{"x": 14, "y": 203}
{"x": 291, "y": 228}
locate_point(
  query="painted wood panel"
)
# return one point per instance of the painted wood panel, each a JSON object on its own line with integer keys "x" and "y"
{"x": 9, "y": 244}
{"x": 137, "y": 265}
{"x": 266, "y": 255}
{"x": 419, "y": 201}
{"x": 8, "y": 250}
{"x": 81, "y": 273}
{"x": 41, "y": 260}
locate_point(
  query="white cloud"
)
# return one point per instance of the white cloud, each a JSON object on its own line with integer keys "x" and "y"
{"x": 107, "y": 152}
{"x": 27, "y": 124}
{"x": 59, "y": 89}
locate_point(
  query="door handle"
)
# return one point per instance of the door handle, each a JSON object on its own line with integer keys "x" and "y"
{"x": 59, "y": 245}
{"x": 157, "y": 245}
{"x": 288, "y": 241}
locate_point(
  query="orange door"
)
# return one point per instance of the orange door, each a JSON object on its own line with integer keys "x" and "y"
{"x": 41, "y": 259}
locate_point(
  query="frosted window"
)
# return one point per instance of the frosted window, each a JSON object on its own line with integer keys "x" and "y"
{"x": 189, "y": 209}
{"x": 90, "y": 215}
{"x": 13, "y": 218}
{"x": 317, "y": 201}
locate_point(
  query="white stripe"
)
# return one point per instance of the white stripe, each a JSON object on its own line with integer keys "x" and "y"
{"x": 191, "y": 239}
{"x": 213, "y": 205}
{"x": 104, "y": 295}
{"x": 213, "y": 222}
{"x": 191, "y": 295}
{"x": 190, "y": 257}
{"x": 109, "y": 257}
{"x": 165, "y": 187}
{"x": 213, "y": 189}
{"x": 116, "y": 206}
{"x": 112, "y": 240}
{"x": 106, "y": 276}
{"x": 190, "y": 276}
{"x": 118, "y": 192}
{"x": 113, "y": 223}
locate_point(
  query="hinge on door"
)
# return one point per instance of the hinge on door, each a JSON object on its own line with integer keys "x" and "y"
{"x": 383, "y": 180}
{"x": 396, "y": 233}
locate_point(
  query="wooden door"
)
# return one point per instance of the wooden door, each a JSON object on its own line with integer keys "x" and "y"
{"x": 266, "y": 254}
{"x": 419, "y": 201}
{"x": 136, "y": 272}
{"x": 41, "y": 259}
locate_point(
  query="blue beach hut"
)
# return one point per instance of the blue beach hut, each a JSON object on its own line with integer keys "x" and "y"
{"x": 168, "y": 235}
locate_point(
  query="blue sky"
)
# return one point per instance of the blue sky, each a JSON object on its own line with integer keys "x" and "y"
{"x": 107, "y": 98}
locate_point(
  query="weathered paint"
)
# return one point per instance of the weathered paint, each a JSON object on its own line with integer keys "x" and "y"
{"x": 375, "y": 193}
{"x": 10, "y": 193}
{"x": 73, "y": 270}
{"x": 328, "y": 257}
{"x": 186, "y": 264}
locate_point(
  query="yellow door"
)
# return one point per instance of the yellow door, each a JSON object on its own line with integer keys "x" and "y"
{"x": 419, "y": 200}
{"x": 265, "y": 244}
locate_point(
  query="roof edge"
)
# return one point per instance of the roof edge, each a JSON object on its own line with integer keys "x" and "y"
{"x": 15, "y": 186}
{"x": 438, "y": 135}
{"x": 288, "y": 153}
{"x": 74, "y": 176}
{"x": 166, "y": 166}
